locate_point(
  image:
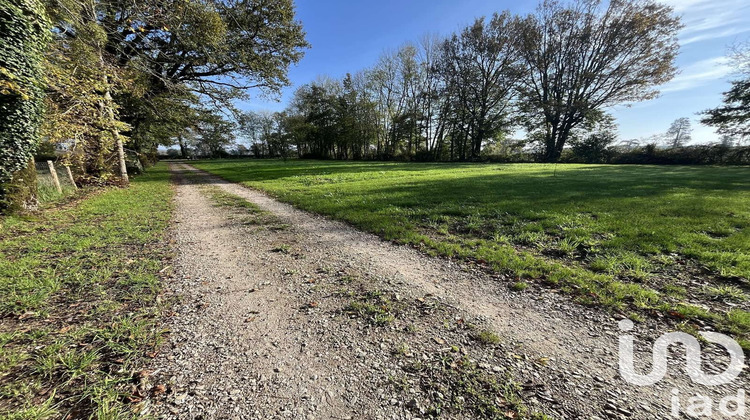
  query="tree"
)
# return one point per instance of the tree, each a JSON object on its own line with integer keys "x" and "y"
{"x": 733, "y": 117}
{"x": 592, "y": 143}
{"x": 430, "y": 101}
{"x": 727, "y": 141}
{"x": 213, "y": 135}
{"x": 23, "y": 37}
{"x": 80, "y": 116}
{"x": 173, "y": 54}
{"x": 679, "y": 133}
{"x": 584, "y": 57}
{"x": 482, "y": 65}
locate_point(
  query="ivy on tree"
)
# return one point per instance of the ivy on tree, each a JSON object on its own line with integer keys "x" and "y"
{"x": 23, "y": 31}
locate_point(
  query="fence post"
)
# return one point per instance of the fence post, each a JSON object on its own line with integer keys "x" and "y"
{"x": 54, "y": 176}
{"x": 72, "y": 180}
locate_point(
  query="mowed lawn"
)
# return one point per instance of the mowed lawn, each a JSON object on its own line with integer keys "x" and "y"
{"x": 644, "y": 240}
{"x": 79, "y": 302}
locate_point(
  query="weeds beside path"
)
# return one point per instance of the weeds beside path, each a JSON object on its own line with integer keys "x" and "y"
{"x": 79, "y": 302}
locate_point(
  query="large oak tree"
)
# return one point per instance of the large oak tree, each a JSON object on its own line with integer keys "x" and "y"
{"x": 590, "y": 55}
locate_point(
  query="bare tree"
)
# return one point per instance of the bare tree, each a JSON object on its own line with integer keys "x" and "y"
{"x": 584, "y": 57}
{"x": 679, "y": 133}
{"x": 430, "y": 84}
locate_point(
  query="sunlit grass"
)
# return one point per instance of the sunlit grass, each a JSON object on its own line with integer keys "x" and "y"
{"x": 79, "y": 301}
{"x": 606, "y": 234}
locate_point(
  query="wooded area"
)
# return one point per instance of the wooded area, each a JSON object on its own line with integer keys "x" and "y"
{"x": 104, "y": 83}
{"x": 550, "y": 74}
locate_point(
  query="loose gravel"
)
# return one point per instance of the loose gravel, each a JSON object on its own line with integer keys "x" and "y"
{"x": 287, "y": 314}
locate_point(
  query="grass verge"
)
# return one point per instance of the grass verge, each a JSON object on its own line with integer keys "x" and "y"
{"x": 79, "y": 302}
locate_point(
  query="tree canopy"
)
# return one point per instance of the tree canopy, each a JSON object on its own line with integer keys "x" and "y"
{"x": 163, "y": 62}
{"x": 552, "y": 73}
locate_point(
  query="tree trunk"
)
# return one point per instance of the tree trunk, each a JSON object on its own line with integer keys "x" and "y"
{"x": 115, "y": 133}
{"x": 183, "y": 149}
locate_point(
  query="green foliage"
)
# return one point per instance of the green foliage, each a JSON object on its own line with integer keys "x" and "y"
{"x": 21, "y": 191}
{"x": 487, "y": 337}
{"x": 591, "y": 146}
{"x": 121, "y": 71}
{"x": 481, "y": 67}
{"x": 77, "y": 104}
{"x": 23, "y": 36}
{"x": 373, "y": 307}
{"x": 79, "y": 301}
{"x": 519, "y": 286}
{"x": 213, "y": 135}
{"x": 733, "y": 117}
{"x": 702, "y": 154}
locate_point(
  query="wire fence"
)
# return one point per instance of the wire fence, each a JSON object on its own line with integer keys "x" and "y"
{"x": 46, "y": 185}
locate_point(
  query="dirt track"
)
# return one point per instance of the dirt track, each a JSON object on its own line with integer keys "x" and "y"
{"x": 263, "y": 330}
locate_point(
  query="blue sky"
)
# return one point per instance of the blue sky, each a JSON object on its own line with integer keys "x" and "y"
{"x": 349, "y": 35}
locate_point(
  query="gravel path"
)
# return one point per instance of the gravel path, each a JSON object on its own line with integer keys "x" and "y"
{"x": 270, "y": 324}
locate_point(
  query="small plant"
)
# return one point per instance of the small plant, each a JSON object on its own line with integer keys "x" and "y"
{"x": 519, "y": 286}
{"x": 634, "y": 316}
{"x": 402, "y": 350}
{"x": 738, "y": 322}
{"x": 533, "y": 239}
{"x": 727, "y": 292}
{"x": 283, "y": 249}
{"x": 378, "y": 315}
{"x": 567, "y": 246}
{"x": 675, "y": 291}
{"x": 487, "y": 337}
{"x": 401, "y": 382}
{"x": 78, "y": 363}
{"x": 347, "y": 279}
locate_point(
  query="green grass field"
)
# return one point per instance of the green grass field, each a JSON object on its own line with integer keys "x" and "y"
{"x": 638, "y": 239}
{"x": 79, "y": 307}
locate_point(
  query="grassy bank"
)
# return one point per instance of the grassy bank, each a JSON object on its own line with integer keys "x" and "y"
{"x": 79, "y": 302}
{"x": 664, "y": 240}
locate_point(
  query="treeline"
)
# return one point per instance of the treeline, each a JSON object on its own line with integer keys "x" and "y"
{"x": 550, "y": 74}
{"x": 101, "y": 84}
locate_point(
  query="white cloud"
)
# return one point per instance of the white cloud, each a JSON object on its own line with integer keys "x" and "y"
{"x": 698, "y": 74}
{"x": 711, "y": 19}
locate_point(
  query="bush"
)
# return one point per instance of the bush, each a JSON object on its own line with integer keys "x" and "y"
{"x": 20, "y": 192}
{"x": 690, "y": 155}
{"x": 592, "y": 148}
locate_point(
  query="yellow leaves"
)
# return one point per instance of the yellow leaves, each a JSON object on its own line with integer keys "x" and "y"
{"x": 9, "y": 86}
